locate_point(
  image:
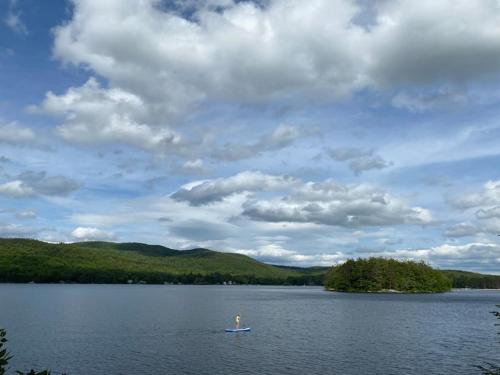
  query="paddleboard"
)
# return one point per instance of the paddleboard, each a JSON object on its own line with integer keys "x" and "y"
{"x": 237, "y": 330}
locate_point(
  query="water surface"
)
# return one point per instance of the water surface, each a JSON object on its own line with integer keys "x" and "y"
{"x": 148, "y": 329}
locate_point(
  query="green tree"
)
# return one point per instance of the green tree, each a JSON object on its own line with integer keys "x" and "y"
{"x": 4, "y": 354}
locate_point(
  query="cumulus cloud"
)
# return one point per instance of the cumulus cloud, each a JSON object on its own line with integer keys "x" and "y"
{"x": 94, "y": 114}
{"x": 486, "y": 206}
{"x": 31, "y": 183}
{"x": 259, "y": 52}
{"x": 251, "y": 51}
{"x": 280, "y": 50}
{"x": 209, "y": 191}
{"x": 455, "y": 42}
{"x": 327, "y": 202}
{"x": 359, "y": 160}
{"x": 330, "y": 203}
{"x": 92, "y": 234}
{"x": 13, "y": 133}
{"x": 488, "y": 196}
{"x": 284, "y": 40}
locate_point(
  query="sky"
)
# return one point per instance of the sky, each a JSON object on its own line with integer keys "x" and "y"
{"x": 296, "y": 132}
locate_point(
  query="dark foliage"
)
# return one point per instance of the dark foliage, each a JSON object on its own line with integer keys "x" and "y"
{"x": 4, "y": 354}
{"x": 462, "y": 279}
{"x": 380, "y": 274}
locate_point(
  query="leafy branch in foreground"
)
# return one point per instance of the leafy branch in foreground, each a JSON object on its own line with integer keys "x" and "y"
{"x": 490, "y": 368}
{"x": 5, "y": 357}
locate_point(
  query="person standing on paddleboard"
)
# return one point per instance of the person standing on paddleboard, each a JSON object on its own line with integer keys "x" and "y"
{"x": 237, "y": 319}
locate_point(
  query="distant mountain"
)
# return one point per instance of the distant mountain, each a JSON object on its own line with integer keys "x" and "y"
{"x": 23, "y": 260}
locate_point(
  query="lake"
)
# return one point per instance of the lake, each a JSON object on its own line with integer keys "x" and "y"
{"x": 156, "y": 329}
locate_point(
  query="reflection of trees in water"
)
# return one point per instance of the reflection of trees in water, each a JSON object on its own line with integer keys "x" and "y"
{"x": 490, "y": 368}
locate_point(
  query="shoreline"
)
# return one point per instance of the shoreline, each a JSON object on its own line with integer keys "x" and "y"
{"x": 146, "y": 284}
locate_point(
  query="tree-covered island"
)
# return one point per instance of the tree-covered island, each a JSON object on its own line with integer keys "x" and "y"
{"x": 386, "y": 275}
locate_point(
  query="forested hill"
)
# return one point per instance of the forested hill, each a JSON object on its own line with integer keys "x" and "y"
{"x": 23, "y": 260}
{"x": 463, "y": 279}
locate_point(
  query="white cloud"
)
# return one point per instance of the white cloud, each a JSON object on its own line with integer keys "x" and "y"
{"x": 279, "y": 51}
{"x": 486, "y": 220}
{"x": 275, "y": 253}
{"x": 13, "y": 133}
{"x": 474, "y": 256}
{"x": 326, "y": 203}
{"x": 92, "y": 234}
{"x": 16, "y": 189}
{"x": 490, "y": 195}
{"x": 330, "y": 203}
{"x": 31, "y": 183}
{"x": 204, "y": 192}
{"x": 427, "y": 42}
{"x": 250, "y": 51}
{"x": 94, "y": 114}
{"x": 261, "y": 52}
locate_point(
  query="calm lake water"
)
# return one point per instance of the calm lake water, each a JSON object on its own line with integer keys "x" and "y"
{"x": 147, "y": 329}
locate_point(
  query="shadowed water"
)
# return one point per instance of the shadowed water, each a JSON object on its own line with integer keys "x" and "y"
{"x": 146, "y": 329}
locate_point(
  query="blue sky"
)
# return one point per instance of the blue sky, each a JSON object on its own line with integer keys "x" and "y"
{"x": 299, "y": 133}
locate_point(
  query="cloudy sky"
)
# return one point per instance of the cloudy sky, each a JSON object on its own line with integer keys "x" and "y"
{"x": 296, "y": 132}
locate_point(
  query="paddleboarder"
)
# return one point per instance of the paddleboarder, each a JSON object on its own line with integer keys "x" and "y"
{"x": 237, "y": 319}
